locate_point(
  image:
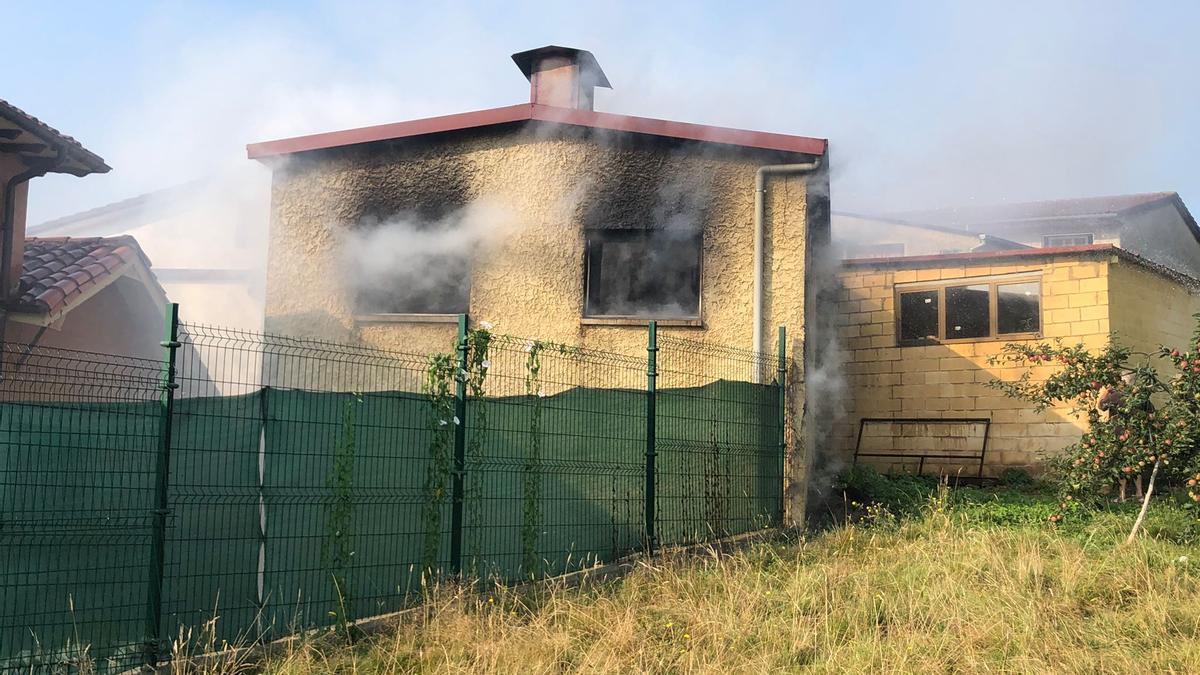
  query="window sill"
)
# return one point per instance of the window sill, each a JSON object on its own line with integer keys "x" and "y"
{"x": 406, "y": 318}
{"x": 640, "y": 321}
{"x": 1008, "y": 337}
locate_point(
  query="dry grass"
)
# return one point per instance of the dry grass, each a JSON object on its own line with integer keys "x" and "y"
{"x": 934, "y": 594}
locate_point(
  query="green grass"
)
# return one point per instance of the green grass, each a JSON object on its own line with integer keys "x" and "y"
{"x": 969, "y": 580}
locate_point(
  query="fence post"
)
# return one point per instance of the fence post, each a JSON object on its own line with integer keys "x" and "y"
{"x": 782, "y": 382}
{"x": 460, "y": 450}
{"x": 651, "y": 416}
{"x": 162, "y": 472}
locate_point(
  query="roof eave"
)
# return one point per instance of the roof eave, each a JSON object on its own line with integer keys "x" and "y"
{"x": 532, "y": 112}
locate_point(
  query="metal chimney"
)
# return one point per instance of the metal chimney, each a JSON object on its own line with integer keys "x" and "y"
{"x": 563, "y": 77}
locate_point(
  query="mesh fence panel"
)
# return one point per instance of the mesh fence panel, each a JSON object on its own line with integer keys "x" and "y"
{"x": 312, "y": 482}
{"x": 79, "y": 436}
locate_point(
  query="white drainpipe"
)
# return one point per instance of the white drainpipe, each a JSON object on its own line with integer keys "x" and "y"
{"x": 760, "y": 209}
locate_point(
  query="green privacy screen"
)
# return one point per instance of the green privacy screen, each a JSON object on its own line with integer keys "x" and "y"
{"x": 302, "y": 493}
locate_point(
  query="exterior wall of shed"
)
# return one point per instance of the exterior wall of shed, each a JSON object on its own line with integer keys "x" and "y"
{"x": 950, "y": 380}
{"x": 1148, "y": 310}
{"x": 531, "y": 281}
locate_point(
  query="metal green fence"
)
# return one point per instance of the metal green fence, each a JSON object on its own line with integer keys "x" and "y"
{"x": 253, "y": 485}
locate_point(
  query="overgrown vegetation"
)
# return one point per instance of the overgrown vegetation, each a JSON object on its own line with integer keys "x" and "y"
{"x": 922, "y": 578}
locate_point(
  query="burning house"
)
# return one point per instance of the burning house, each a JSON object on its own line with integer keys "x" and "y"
{"x": 546, "y": 218}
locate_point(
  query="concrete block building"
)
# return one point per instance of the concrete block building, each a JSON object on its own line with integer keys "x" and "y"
{"x": 918, "y": 332}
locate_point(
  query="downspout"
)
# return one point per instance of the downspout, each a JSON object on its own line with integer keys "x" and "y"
{"x": 760, "y": 210}
{"x": 7, "y": 226}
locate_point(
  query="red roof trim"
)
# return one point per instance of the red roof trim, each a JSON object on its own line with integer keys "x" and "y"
{"x": 684, "y": 130}
{"x": 981, "y": 255}
{"x": 526, "y": 111}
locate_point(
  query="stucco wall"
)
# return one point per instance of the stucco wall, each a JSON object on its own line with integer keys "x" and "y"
{"x": 552, "y": 182}
{"x": 530, "y": 282}
{"x": 950, "y": 380}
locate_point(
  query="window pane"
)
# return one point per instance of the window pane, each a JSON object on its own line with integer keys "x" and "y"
{"x": 1018, "y": 307}
{"x": 919, "y": 316}
{"x": 649, "y": 273}
{"x": 967, "y": 313}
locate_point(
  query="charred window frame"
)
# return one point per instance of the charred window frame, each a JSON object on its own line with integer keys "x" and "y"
{"x": 643, "y": 274}
{"x": 970, "y": 309}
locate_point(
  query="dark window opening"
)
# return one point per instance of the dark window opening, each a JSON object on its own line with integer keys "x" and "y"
{"x": 430, "y": 284}
{"x": 919, "y": 316}
{"x": 406, "y": 265}
{"x": 967, "y": 312}
{"x": 652, "y": 273}
{"x": 1018, "y": 308}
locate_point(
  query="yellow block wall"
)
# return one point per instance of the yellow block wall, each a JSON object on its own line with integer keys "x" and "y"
{"x": 1149, "y": 309}
{"x": 950, "y": 380}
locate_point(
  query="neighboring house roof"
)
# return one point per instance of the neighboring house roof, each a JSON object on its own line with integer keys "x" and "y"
{"x": 124, "y": 215}
{"x": 38, "y": 144}
{"x": 530, "y": 112}
{"x": 1091, "y": 250}
{"x": 58, "y": 273}
{"x": 988, "y": 242}
{"x": 893, "y": 220}
{"x": 1086, "y": 212}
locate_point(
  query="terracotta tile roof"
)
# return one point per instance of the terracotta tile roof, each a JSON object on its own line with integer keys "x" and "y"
{"x": 33, "y": 140}
{"x": 57, "y": 270}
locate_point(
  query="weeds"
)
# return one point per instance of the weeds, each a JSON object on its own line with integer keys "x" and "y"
{"x": 936, "y": 580}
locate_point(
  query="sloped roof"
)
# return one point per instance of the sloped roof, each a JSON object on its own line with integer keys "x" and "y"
{"x": 1096, "y": 209}
{"x": 532, "y": 112}
{"x": 37, "y": 144}
{"x": 1030, "y": 253}
{"x": 58, "y": 272}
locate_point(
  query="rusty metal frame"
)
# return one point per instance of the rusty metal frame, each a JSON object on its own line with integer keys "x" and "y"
{"x": 985, "y": 421}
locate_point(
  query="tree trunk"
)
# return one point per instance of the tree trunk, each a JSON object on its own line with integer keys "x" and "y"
{"x": 1137, "y": 524}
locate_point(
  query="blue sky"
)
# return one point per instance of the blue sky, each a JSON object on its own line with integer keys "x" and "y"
{"x": 924, "y": 103}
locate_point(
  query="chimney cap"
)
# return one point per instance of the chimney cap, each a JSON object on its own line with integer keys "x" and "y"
{"x": 588, "y": 67}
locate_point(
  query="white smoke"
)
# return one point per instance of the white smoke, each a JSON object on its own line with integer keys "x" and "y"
{"x": 407, "y": 265}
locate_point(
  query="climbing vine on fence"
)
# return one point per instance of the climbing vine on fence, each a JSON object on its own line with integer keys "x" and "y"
{"x": 531, "y": 472}
{"x": 337, "y": 547}
{"x": 716, "y": 487}
{"x": 439, "y": 388}
{"x": 478, "y": 365}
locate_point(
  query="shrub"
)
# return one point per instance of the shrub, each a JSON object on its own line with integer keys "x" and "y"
{"x": 1151, "y": 423}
